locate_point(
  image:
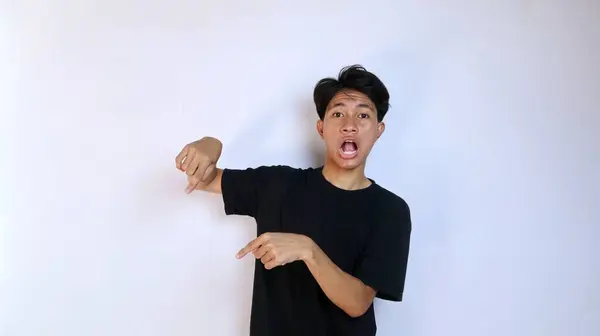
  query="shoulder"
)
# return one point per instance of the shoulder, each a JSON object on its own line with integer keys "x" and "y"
{"x": 281, "y": 170}
{"x": 392, "y": 209}
{"x": 265, "y": 170}
{"x": 264, "y": 175}
{"x": 246, "y": 190}
{"x": 278, "y": 173}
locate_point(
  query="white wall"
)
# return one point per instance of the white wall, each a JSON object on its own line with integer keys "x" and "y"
{"x": 492, "y": 139}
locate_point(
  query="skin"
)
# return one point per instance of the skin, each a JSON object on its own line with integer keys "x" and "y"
{"x": 350, "y": 115}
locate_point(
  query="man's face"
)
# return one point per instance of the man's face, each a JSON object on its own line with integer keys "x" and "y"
{"x": 350, "y": 128}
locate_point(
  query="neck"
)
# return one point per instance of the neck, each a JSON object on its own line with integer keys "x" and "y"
{"x": 347, "y": 179}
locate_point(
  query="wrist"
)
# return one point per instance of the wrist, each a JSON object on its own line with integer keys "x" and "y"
{"x": 310, "y": 250}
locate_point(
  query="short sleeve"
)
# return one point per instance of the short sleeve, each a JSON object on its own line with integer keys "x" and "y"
{"x": 383, "y": 263}
{"x": 244, "y": 189}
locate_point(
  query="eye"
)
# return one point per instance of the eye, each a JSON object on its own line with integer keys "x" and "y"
{"x": 336, "y": 114}
{"x": 363, "y": 116}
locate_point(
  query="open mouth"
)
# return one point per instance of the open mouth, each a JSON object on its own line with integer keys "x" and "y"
{"x": 348, "y": 149}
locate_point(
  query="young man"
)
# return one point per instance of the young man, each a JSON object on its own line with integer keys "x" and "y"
{"x": 329, "y": 239}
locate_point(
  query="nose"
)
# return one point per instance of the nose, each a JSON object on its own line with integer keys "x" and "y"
{"x": 349, "y": 126}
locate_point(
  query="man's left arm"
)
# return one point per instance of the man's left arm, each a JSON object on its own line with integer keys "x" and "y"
{"x": 380, "y": 272}
{"x": 346, "y": 291}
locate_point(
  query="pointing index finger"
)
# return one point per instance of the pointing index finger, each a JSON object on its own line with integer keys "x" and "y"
{"x": 253, "y": 245}
{"x": 245, "y": 250}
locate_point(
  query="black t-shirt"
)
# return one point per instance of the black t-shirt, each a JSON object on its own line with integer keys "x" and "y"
{"x": 364, "y": 232}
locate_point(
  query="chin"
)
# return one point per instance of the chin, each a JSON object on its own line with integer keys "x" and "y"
{"x": 348, "y": 164}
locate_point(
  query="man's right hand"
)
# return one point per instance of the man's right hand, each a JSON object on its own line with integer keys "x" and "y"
{"x": 198, "y": 160}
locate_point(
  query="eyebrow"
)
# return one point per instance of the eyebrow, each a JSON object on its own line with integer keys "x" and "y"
{"x": 363, "y": 105}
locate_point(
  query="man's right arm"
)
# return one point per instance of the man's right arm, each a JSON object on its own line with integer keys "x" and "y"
{"x": 242, "y": 189}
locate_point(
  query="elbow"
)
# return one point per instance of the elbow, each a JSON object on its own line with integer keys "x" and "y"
{"x": 356, "y": 313}
{"x": 359, "y": 309}
{"x": 361, "y": 304}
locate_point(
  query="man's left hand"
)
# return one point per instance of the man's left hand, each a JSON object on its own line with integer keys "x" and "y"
{"x": 277, "y": 249}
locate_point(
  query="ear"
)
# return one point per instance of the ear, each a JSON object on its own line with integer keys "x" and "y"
{"x": 320, "y": 127}
{"x": 380, "y": 129}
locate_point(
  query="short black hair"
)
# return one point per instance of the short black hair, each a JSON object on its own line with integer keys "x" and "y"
{"x": 353, "y": 77}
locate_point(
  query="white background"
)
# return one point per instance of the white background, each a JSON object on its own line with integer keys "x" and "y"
{"x": 492, "y": 139}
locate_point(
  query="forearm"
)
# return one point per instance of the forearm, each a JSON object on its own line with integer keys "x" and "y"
{"x": 345, "y": 291}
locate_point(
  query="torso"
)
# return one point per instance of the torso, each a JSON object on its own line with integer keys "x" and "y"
{"x": 287, "y": 300}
